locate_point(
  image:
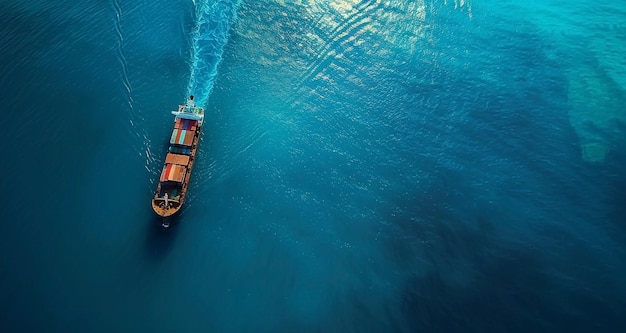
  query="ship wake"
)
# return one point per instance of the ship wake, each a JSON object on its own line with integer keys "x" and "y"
{"x": 214, "y": 18}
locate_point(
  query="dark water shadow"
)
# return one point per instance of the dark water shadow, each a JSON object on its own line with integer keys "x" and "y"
{"x": 159, "y": 240}
{"x": 616, "y": 196}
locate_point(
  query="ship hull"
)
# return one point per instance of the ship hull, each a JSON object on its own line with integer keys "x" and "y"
{"x": 173, "y": 185}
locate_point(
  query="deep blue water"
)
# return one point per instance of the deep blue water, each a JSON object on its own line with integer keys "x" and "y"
{"x": 365, "y": 166}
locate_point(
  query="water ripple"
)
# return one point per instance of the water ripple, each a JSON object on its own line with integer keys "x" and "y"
{"x": 343, "y": 34}
{"x": 121, "y": 56}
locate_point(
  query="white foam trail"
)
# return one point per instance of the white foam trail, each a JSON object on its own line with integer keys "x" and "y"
{"x": 214, "y": 18}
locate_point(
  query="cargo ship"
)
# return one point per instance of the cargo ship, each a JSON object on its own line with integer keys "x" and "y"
{"x": 174, "y": 181}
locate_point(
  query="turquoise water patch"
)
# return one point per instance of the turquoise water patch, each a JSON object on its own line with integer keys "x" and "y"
{"x": 589, "y": 41}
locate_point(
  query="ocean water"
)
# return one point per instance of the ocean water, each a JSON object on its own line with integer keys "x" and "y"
{"x": 365, "y": 166}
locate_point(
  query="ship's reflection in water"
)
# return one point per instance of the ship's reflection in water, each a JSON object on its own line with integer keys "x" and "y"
{"x": 159, "y": 239}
